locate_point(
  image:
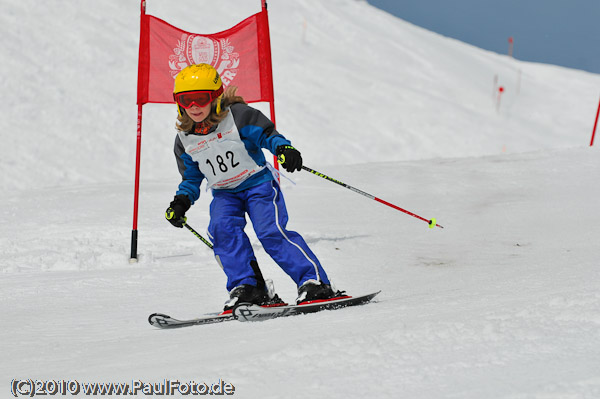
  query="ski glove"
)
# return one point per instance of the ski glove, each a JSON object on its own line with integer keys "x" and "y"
{"x": 289, "y": 158}
{"x": 176, "y": 211}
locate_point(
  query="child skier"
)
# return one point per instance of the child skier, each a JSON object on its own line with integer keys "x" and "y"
{"x": 220, "y": 139}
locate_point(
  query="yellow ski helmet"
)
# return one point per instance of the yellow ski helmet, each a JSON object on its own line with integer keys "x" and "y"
{"x": 199, "y": 77}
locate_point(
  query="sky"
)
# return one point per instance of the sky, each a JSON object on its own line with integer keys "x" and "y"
{"x": 559, "y": 32}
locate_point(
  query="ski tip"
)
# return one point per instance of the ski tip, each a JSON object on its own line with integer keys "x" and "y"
{"x": 373, "y": 295}
{"x": 154, "y": 316}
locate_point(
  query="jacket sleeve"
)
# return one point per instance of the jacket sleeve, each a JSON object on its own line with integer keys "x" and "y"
{"x": 254, "y": 125}
{"x": 191, "y": 177}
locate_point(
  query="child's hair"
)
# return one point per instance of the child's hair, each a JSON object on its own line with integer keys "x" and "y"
{"x": 229, "y": 97}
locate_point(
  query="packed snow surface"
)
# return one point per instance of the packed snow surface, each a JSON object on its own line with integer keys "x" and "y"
{"x": 503, "y": 302}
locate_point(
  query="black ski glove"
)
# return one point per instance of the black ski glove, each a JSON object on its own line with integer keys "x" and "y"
{"x": 176, "y": 211}
{"x": 289, "y": 158}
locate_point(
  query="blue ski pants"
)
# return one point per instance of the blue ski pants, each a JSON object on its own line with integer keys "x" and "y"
{"x": 265, "y": 206}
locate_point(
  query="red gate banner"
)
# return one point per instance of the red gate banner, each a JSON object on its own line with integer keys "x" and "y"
{"x": 241, "y": 54}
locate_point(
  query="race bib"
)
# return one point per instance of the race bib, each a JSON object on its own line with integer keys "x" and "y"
{"x": 221, "y": 155}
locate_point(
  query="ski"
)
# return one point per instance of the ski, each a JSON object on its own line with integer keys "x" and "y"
{"x": 165, "y": 321}
{"x": 247, "y": 312}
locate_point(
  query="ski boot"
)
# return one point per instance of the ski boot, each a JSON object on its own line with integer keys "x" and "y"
{"x": 246, "y": 293}
{"x": 313, "y": 290}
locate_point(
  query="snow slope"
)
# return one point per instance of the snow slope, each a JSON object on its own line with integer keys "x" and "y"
{"x": 343, "y": 70}
{"x": 501, "y": 303}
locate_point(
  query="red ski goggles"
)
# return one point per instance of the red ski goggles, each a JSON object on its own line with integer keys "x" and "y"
{"x": 199, "y": 97}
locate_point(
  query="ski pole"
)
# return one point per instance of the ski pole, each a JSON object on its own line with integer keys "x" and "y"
{"x": 170, "y": 214}
{"x": 432, "y": 222}
{"x": 194, "y": 232}
{"x": 260, "y": 280}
